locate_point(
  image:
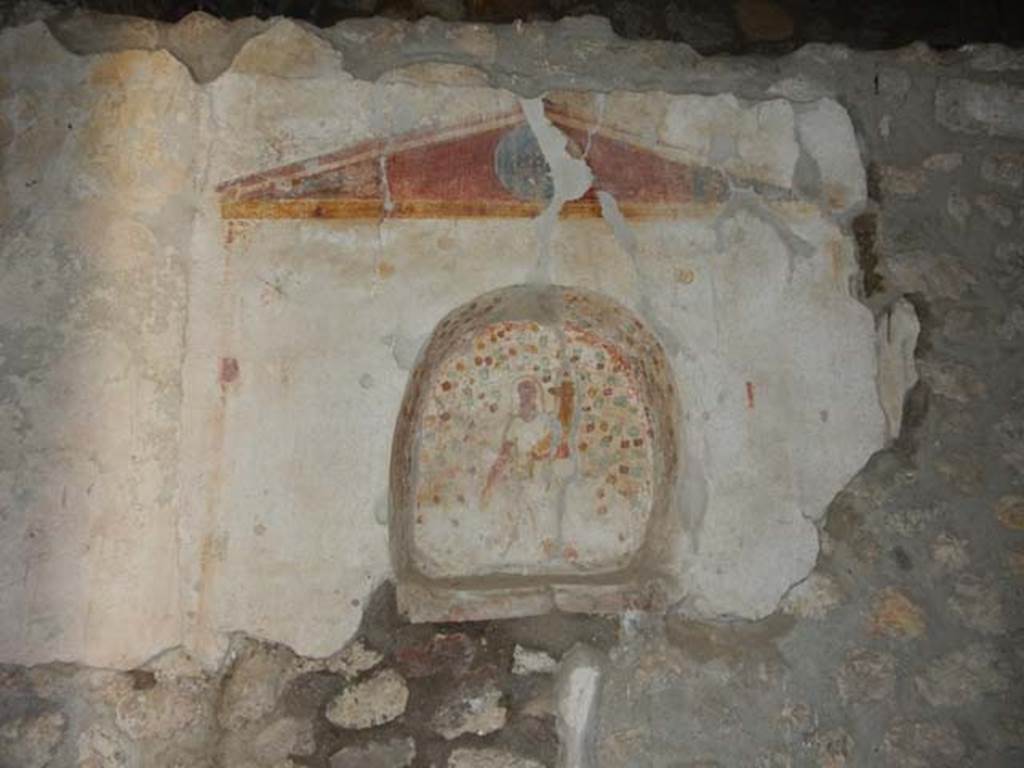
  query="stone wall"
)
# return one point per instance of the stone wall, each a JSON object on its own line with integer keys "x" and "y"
{"x": 202, "y": 369}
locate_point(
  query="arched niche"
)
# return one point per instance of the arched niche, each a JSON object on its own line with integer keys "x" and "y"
{"x": 534, "y": 460}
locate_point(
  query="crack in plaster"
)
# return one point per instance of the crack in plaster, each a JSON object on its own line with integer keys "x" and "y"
{"x": 600, "y": 101}
{"x": 570, "y": 176}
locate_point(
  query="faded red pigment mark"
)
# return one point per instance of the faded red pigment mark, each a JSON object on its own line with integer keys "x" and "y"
{"x": 451, "y": 654}
{"x": 228, "y": 371}
{"x": 750, "y": 395}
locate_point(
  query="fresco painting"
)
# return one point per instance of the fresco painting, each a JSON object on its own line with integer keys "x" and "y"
{"x": 524, "y": 422}
{"x": 489, "y": 168}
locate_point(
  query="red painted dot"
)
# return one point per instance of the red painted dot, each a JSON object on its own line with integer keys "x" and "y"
{"x": 624, "y": 444}
{"x": 446, "y": 385}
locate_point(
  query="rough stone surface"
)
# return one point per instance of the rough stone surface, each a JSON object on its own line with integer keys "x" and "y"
{"x": 867, "y": 676}
{"x": 279, "y": 740}
{"x": 528, "y": 661}
{"x": 489, "y": 758}
{"x": 897, "y": 615}
{"x": 396, "y": 753}
{"x": 975, "y": 107}
{"x": 1005, "y": 170}
{"x": 977, "y": 604}
{"x": 30, "y": 741}
{"x": 950, "y": 552}
{"x": 475, "y": 709}
{"x": 374, "y": 701}
{"x": 834, "y": 748}
{"x": 994, "y": 210}
{"x": 763, "y": 20}
{"x": 354, "y": 659}
{"x": 944, "y": 162}
{"x": 258, "y": 677}
{"x": 1010, "y": 512}
{"x": 922, "y": 745}
{"x": 961, "y": 677}
{"x": 901, "y": 182}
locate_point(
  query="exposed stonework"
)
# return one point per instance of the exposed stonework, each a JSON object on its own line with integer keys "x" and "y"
{"x": 475, "y": 708}
{"x": 374, "y": 701}
{"x": 896, "y": 646}
{"x": 489, "y": 758}
{"x": 975, "y": 107}
{"x": 526, "y": 661}
{"x": 398, "y": 753}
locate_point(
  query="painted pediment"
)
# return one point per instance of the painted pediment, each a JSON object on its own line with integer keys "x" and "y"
{"x": 491, "y": 168}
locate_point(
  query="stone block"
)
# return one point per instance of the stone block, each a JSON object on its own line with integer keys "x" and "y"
{"x": 377, "y": 700}
{"x": 1006, "y": 169}
{"x": 472, "y": 708}
{"x": 395, "y": 753}
{"x": 973, "y": 107}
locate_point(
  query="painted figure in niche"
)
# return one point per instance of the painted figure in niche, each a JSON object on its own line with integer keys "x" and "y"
{"x": 529, "y": 465}
{"x": 534, "y": 452}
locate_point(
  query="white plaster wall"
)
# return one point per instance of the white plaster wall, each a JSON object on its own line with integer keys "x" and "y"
{"x": 93, "y": 301}
{"x": 148, "y": 502}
